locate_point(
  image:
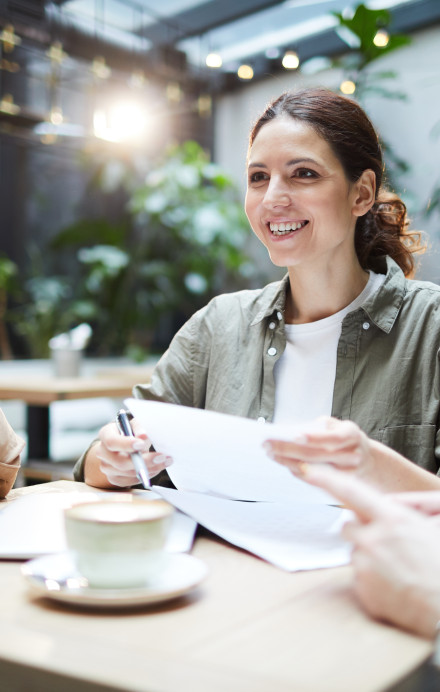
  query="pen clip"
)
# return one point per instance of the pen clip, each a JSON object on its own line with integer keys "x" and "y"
{"x": 123, "y": 419}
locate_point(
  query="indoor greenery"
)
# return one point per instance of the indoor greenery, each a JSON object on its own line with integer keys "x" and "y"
{"x": 180, "y": 240}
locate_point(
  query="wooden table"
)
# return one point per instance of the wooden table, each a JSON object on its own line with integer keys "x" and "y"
{"x": 248, "y": 627}
{"x": 38, "y": 392}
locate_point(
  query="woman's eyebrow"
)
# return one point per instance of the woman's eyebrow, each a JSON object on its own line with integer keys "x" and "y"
{"x": 256, "y": 165}
{"x": 292, "y": 162}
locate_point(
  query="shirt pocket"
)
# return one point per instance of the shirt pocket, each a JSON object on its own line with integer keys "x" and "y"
{"x": 416, "y": 442}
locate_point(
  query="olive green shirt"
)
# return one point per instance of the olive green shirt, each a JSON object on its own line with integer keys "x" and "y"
{"x": 387, "y": 373}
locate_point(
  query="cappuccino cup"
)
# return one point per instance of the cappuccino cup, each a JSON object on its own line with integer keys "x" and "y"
{"x": 118, "y": 543}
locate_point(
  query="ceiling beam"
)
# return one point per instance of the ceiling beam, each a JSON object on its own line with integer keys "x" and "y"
{"x": 205, "y": 17}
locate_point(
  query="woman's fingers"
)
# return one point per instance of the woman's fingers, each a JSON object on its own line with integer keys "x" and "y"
{"x": 341, "y": 443}
{"x": 284, "y": 452}
{"x": 114, "y": 449}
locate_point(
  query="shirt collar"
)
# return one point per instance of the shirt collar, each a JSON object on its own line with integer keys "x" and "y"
{"x": 272, "y": 299}
{"x": 382, "y": 308}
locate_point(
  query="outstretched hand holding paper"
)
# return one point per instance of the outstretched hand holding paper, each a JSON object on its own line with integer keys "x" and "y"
{"x": 223, "y": 455}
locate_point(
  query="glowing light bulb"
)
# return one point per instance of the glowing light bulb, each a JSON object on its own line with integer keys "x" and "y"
{"x": 214, "y": 60}
{"x": 56, "y": 116}
{"x": 245, "y": 72}
{"x": 290, "y": 60}
{"x": 381, "y": 39}
{"x": 100, "y": 69}
{"x": 56, "y": 53}
{"x": 348, "y": 87}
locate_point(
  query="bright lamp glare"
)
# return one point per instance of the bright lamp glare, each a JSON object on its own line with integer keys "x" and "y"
{"x": 122, "y": 122}
{"x": 348, "y": 87}
{"x": 245, "y": 72}
{"x": 290, "y": 60}
{"x": 213, "y": 60}
{"x": 381, "y": 39}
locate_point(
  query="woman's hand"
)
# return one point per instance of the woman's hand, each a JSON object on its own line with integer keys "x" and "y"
{"x": 340, "y": 443}
{"x": 111, "y": 455}
{"x": 395, "y": 556}
{"x": 343, "y": 445}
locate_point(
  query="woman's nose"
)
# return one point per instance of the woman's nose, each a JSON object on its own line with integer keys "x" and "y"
{"x": 277, "y": 193}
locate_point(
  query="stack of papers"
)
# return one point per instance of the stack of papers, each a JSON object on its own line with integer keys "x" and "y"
{"x": 227, "y": 483}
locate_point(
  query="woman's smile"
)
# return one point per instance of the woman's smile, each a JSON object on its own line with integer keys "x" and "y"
{"x": 285, "y": 228}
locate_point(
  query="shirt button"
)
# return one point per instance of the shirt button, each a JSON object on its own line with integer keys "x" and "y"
{"x": 366, "y": 325}
{"x": 261, "y": 419}
{"x": 271, "y": 351}
{"x": 272, "y": 325}
{"x": 279, "y": 315}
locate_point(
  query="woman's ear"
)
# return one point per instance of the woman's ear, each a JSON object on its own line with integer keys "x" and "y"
{"x": 365, "y": 192}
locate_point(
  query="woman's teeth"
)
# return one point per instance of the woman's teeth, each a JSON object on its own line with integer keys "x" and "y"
{"x": 283, "y": 228}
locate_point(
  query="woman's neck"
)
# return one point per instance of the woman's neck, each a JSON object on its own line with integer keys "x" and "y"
{"x": 315, "y": 296}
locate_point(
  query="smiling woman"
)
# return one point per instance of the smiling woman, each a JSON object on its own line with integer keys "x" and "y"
{"x": 344, "y": 335}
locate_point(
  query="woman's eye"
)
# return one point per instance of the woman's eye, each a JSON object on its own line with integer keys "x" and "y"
{"x": 257, "y": 177}
{"x": 305, "y": 173}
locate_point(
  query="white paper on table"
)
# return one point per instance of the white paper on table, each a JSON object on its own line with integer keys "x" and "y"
{"x": 223, "y": 455}
{"x": 33, "y": 525}
{"x": 291, "y": 536}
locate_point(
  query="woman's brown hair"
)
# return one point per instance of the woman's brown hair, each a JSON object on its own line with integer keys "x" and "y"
{"x": 384, "y": 230}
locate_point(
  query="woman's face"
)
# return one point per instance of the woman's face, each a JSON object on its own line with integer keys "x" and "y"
{"x": 299, "y": 201}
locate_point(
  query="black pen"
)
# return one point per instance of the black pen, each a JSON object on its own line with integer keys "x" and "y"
{"x": 123, "y": 423}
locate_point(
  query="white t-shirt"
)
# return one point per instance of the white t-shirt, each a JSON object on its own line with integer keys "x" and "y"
{"x": 305, "y": 373}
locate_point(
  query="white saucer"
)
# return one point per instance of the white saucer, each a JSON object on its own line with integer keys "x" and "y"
{"x": 55, "y": 576}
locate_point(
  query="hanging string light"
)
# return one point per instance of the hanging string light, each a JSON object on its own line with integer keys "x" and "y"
{"x": 56, "y": 53}
{"x": 9, "y": 38}
{"x": 381, "y": 38}
{"x": 100, "y": 68}
{"x": 57, "y": 56}
{"x": 8, "y": 41}
{"x": 347, "y": 87}
{"x": 8, "y": 106}
{"x": 290, "y": 60}
{"x": 214, "y": 60}
{"x": 245, "y": 72}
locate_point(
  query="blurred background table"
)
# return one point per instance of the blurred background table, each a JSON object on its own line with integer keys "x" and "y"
{"x": 33, "y": 384}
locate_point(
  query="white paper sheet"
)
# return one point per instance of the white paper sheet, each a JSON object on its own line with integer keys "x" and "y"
{"x": 223, "y": 455}
{"x": 291, "y": 536}
{"x": 33, "y": 525}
